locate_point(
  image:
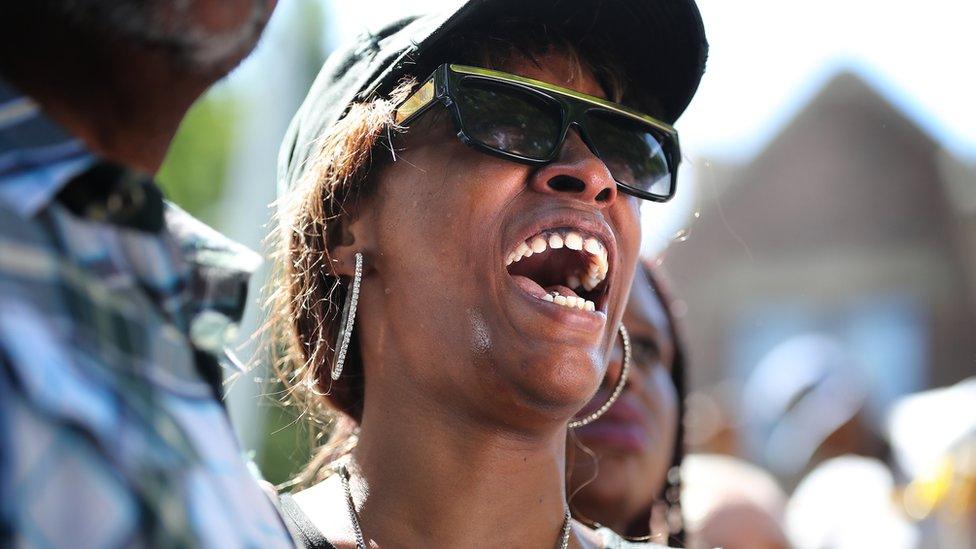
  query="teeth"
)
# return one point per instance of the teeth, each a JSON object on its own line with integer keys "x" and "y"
{"x": 555, "y": 241}
{"x": 539, "y": 244}
{"x": 571, "y": 301}
{"x": 574, "y": 241}
{"x": 593, "y": 246}
{"x": 596, "y": 273}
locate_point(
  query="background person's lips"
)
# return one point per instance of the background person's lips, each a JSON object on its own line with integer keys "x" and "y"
{"x": 622, "y": 436}
{"x": 626, "y": 425}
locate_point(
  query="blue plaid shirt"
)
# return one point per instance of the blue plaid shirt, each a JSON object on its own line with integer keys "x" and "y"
{"x": 111, "y": 432}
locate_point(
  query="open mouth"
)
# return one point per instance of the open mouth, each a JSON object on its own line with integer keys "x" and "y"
{"x": 563, "y": 266}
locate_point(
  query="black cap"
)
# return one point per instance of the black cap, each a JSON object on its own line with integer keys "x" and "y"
{"x": 659, "y": 44}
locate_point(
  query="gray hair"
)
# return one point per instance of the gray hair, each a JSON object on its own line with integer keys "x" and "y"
{"x": 168, "y": 25}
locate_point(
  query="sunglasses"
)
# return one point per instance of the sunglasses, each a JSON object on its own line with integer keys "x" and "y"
{"x": 527, "y": 121}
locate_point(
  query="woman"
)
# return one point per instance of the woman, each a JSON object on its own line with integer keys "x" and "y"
{"x": 471, "y": 270}
{"x": 625, "y": 465}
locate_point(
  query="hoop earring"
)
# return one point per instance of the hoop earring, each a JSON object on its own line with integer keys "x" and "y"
{"x": 348, "y": 319}
{"x": 624, "y": 371}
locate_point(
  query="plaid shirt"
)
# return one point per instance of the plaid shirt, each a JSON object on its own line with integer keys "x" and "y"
{"x": 111, "y": 433}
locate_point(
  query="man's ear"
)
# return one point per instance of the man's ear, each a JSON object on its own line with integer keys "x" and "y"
{"x": 347, "y": 234}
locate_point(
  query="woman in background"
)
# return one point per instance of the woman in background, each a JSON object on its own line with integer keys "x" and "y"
{"x": 624, "y": 467}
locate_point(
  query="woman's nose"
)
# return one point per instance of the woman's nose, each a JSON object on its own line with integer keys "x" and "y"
{"x": 578, "y": 174}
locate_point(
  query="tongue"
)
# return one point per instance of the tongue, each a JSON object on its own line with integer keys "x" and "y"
{"x": 561, "y": 290}
{"x": 529, "y": 286}
{"x": 534, "y": 289}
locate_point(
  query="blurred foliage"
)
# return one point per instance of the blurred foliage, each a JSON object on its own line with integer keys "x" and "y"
{"x": 195, "y": 168}
{"x": 288, "y": 443}
{"x": 309, "y": 28}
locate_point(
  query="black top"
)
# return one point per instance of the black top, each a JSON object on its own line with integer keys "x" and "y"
{"x": 305, "y": 533}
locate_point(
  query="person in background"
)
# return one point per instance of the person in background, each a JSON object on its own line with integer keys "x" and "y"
{"x": 805, "y": 403}
{"x": 113, "y": 305}
{"x": 624, "y": 465}
{"x": 848, "y": 502}
{"x": 933, "y": 437}
{"x": 926, "y": 499}
{"x": 730, "y": 503}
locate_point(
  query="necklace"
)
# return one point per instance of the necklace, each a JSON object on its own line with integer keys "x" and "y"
{"x": 361, "y": 541}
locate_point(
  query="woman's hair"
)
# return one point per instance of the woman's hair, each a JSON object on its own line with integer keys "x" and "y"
{"x": 306, "y": 295}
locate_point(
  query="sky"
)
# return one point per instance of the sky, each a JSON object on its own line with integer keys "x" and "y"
{"x": 769, "y": 57}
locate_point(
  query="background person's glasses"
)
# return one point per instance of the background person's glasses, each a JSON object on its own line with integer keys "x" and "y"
{"x": 527, "y": 120}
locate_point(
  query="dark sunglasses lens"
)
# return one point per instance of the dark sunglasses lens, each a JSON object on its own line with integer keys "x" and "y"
{"x": 633, "y": 152}
{"x": 509, "y": 119}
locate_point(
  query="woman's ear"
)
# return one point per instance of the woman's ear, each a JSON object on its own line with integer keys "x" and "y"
{"x": 347, "y": 234}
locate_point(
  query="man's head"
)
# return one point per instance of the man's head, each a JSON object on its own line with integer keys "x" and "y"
{"x": 120, "y": 74}
{"x": 205, "y": 36}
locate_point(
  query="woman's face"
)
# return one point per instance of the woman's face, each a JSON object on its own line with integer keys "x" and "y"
{"x": 442, "y": 314}
{"x": 634, "y": 441}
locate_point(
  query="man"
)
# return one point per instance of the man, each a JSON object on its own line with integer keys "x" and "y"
{"x": 113, "y": 305}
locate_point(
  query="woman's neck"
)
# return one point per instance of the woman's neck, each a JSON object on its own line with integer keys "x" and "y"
{"x": 437, "y": 479}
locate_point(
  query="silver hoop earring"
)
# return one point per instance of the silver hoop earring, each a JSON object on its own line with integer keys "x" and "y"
{"x": 348, "y": 319}
{"x": 619, "y": 388}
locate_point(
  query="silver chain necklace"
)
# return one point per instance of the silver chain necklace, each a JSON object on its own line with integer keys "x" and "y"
{"x": 361, "y": 541}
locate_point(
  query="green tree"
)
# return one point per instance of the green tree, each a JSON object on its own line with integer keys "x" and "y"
{"x": 195, "y": 168}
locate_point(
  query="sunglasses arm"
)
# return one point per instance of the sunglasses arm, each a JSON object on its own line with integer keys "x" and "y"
{"x": 415, "y": 105}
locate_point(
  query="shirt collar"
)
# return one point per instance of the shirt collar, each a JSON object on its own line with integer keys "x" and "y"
{"x": 37, "y": 156}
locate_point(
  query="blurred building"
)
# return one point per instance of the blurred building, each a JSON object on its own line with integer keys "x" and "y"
{"x": 853, "y": 222}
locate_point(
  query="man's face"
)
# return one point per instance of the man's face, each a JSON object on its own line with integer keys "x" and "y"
{"x": 205, "y": 36}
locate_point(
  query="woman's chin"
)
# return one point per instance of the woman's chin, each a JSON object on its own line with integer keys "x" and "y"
{"x": 556, "y": 387}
